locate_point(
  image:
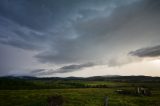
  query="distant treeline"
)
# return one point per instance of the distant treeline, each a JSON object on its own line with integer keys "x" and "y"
{"x": 108, "y": 78}
{"x": 18, "y": 84}
{"x": 11, "y": 83}
{"x": 125, "y": 78}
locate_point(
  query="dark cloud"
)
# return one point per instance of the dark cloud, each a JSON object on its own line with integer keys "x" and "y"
{"x": 37, "y": 71}
{"x": 71, "y": 68}
{"x": 64, "y": 69}
{"x": 37, "y": 15}
{"x": 61, "y": 32}
{"x": 90, "y": 35}
{"x": 147, "y": 52}
{"x": 19, "y": 36}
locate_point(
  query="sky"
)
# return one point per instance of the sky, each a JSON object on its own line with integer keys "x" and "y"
{"x": 81, "y": 38}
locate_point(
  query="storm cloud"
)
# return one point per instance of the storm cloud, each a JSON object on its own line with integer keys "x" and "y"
{"x": 64, "y": 69}
{"x": 73, "y": 34}
{"x": 147, "y": 52}
{"x": 62, "y": 39}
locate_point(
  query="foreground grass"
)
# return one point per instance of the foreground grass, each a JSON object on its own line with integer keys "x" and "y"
{"x": 76, "y": 97}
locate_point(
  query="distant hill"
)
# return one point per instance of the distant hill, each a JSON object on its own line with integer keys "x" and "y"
{"x": 94, "y": 78}
{"x": 29, "y": 82}
{"x": 125, "y": 78}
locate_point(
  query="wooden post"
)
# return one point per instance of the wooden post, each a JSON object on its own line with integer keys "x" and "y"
{"x": 106, "y": 101}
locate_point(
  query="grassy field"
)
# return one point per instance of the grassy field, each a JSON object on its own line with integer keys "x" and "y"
{"x": 84, "y": 96}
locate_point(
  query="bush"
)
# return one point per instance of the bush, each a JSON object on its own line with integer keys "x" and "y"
{"x": 55, "y": 100}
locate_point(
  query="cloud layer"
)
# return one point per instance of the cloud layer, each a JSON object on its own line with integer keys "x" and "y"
{"x": 64, "y": 69}
{"x": 73, "y": 34}
{"x": 147, "y": 52}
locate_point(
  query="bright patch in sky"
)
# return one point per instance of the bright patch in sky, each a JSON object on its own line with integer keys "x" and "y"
{"x": 156, "y": 62}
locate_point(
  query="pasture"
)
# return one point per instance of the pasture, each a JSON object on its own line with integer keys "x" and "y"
{"x": 92, "y": 93}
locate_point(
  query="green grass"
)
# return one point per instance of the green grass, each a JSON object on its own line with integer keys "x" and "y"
{"x": 82, "y": 96}
{"x": 74, "y": 97}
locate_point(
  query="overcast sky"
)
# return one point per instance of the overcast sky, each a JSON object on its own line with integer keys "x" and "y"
{"x": 79, "y": 37}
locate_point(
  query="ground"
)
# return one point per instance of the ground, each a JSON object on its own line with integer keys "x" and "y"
{"x": 83, "y": 96}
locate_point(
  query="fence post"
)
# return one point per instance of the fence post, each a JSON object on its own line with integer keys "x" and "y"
{"x": 106, "y": 101}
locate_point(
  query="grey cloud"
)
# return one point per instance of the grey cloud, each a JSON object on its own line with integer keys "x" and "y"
{"x": 64, "y": 69}
{"x": 42, "y": 14}
{"x": 19, "y": 36}
{"x": 92, "y": 37}
{"x": 37, "y": 71}
{"x": 39, "y": 14}
{"x": 92, "y": 33}
{"x": 71, "y": 68}
{"x": 122, "y": 60}
{"x": 74, "y": 32}
{"x": 20, "y": 44}
{"x": 147, "y": 52}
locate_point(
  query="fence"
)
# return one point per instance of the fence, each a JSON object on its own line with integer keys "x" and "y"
{"x": 106, "y": 101}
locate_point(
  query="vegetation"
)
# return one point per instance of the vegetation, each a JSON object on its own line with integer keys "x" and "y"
{"x": 76, "y": 92}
